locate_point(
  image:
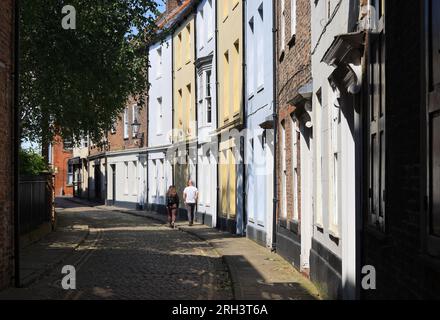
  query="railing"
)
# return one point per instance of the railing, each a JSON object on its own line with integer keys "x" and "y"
{"x": 36, "y": 202}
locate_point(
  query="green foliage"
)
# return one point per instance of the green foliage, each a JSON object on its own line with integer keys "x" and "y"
{"x": 76, "y": 82}
{"x": 31, "y": 163}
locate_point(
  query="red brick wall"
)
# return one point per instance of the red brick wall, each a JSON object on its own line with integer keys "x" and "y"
{"x": 6, "y": 142}
{"x": 116, "y": 140}
{"x": 293, "y": 71}
{"x": 60, "y": 159}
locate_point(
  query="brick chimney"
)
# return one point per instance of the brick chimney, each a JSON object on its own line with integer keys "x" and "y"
{"x": 173, "y": 4}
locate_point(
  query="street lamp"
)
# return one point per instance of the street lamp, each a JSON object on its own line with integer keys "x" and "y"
{"x": 136, "y": 127}
{"x": 139, "y": 137}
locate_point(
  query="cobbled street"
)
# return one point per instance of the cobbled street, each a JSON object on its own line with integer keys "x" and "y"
{"x": 129, "y": 257}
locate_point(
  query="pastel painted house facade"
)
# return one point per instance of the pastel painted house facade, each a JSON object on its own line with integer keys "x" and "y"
{"x": 159, "y": 122}
{"x": 184, "y": 148}
{"x": 206, "y": 70}
{"x": 259, "y": 99}
{"x": 230, "y": 109}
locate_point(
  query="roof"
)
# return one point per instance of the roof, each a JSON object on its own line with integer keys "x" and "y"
{"x": 171, "y": 20}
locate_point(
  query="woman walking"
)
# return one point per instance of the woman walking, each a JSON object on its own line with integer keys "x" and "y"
{"x": 172, "y": 205}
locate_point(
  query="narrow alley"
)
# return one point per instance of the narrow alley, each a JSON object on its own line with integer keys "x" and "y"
{"x": 121, "y": 255}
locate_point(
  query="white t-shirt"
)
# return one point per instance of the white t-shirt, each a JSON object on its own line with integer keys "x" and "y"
{"x": 191, "y": 193}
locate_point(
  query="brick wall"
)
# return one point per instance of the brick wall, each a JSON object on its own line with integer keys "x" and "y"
{"x": 404, "y": 271}
{"x": 60, "y": 159}
{"x": 293, "y": 71}
{"x": 6, "y": 142}
{"x": 116, "y": 140}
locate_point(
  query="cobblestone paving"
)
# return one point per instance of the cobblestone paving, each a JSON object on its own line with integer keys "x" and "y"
{"x": 129, "y": 257}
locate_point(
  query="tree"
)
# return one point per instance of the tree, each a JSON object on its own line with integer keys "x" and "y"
{"x": 75, "y": 82}
{"x": 31, "y": 163}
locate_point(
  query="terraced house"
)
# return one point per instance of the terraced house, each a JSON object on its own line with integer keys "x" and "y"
{"x": 160, "y": 112}
{"x": 259, "y": 110}
{"x": 206, "y": 69}
{"x": 184, "y": 97}
{"x": 230, "y": 108}
{"x": 295, "y": 132}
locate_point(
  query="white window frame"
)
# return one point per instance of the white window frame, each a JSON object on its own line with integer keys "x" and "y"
{"x": 293, "y": 17}
{"x": 334, "y": 116}
{"x": 283, "y": 214}
{"x": 295, "y": 168}
{"x": 207, "y": 98}
{"x": 126, "y": 127}
{"x": 319, "y": 219}
{"x": 201, "y": 30}
{"x": 283, "y": 26}
{"x": 251, "y": 57}
{"x": 260, "y": 47}
{"x": 159, "y": 68}
{"x": 210, "y": 18}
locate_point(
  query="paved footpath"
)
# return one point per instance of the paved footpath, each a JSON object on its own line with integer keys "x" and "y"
{"x": 256, "y": 273}
{"x": 131, "y": 254}
{"x": 129, "y": 257}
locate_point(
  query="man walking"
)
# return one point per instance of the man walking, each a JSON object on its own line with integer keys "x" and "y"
{"x": 190, "y": 195}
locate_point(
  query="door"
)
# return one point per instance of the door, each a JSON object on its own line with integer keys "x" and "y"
{"x": 113, "y": 166}
{"x": 98, "y": 181}
{"x": 433, "y": 121}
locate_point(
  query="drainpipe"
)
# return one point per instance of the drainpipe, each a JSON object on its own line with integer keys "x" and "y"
{"x": 196, "y": 92}
{"x": 217, "y": 115}
{"x": 16, "y": 115}
{"x": 173, "y": 182}
{"x": 275, "y": 123}
{"x": 242, "y": 140}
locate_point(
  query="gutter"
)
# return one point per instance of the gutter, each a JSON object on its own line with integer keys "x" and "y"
{"x": 275, "y": 124}
{"x": 196, "y": 92}
{"x": 217, "y": 115}
{"x": 243, "y": 140}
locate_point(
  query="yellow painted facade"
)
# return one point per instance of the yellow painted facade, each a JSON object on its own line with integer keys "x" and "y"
{"x": 230, "y": 101}
{"x": 230, "y": 60}
{"x": 184, "y": 98}
{"x": 184, "y": 92}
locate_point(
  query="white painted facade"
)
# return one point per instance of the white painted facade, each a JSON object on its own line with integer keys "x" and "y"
{"x": 207, "y": 112}
{"x": 126, "y": 178}
{"x": 259, "y": 109}
{"x": 159, "y": 121}
{"x": 334, "y": 221}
